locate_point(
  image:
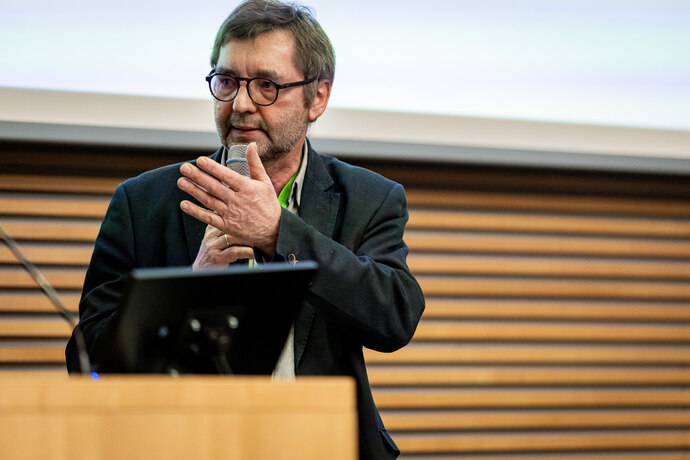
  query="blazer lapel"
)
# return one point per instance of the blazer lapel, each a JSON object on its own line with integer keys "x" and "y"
{"x": 194, "y": 229}
{"x": 319, "y": 208}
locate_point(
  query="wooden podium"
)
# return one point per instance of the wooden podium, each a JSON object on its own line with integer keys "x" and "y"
{"x": 190, "y": 417}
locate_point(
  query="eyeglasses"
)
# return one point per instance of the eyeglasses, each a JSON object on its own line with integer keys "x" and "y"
{"x": 262, "y": 91}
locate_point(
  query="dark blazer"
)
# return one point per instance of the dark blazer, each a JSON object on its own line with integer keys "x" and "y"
{"x": 351, "y": 222}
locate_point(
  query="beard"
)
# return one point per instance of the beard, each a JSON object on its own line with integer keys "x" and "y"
{"x": 279, "y": 139}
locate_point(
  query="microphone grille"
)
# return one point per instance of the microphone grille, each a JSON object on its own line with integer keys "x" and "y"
{"x": 237, "y": 159}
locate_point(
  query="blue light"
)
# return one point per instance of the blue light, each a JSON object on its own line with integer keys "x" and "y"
{"x": 95, "y": 376}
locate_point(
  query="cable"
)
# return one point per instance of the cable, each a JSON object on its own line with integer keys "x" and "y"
{"x": 53, "y": 296}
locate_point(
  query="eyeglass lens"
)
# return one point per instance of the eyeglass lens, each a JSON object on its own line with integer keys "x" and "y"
{"x": 261, "y": 90}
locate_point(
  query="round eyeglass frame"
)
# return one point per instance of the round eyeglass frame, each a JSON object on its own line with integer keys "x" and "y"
{"x": 210, "y": 76}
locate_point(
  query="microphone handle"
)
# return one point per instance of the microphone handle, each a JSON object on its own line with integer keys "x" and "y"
{"x": 236, "y": 160}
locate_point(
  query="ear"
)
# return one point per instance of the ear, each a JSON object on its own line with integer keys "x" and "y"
{"x": 318, "y": 106}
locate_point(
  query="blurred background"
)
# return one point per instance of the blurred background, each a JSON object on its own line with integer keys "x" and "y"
{"x": 610, "y": 62}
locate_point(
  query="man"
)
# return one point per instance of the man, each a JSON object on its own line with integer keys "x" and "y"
{"x": 272, "y": 72}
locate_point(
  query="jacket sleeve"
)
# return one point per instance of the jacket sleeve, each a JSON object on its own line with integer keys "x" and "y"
{"x": 111, "y": 262}
{"x": 363, "y": 284}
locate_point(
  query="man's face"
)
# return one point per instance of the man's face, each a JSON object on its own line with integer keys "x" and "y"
{"x": 277, "y": 129}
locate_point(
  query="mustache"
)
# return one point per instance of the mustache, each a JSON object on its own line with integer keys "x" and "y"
{"x": 244, "y": 120}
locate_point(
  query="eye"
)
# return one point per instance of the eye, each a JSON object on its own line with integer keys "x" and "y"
{"x": 225, "y": 82}
{"x": 264, "y": 84}
{"x": 264, "y": 90}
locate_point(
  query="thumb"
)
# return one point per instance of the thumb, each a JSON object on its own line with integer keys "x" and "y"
{"x": 256, "y": 167}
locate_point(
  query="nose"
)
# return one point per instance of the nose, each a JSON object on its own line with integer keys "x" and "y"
{"x": 242, "y": 102}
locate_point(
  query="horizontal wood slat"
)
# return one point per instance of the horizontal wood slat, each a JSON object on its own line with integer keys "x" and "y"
{"x": 121, "y": 161}
{"x": 540, "y": 441}
{"x": 671, "y": 250}
{"x": 35, "y": 301}
{"x": 538, "y": 223}
{"x": 539, "y": 181}
{"x": 51, "y": 206}
{"x": 51, "y": 230}
{"x": 563, "y": 309}
{"x": 33, "y": 354}
{"x": 552, "y": 267}
{"x": 544, "y": 419}
{"x": 394, "y": 398}
{"x": 415, "y": 196}
{"x": 598, "y": 455}
{"x": 475, "y": 353}
{"x": 589, "y": 289}
{"x": 441, "y": 264}
{"x": 527, "y": 375}
{"x": 418, "y": 197}
{"x": 551, "y": 331}
{"x": 35, "y": 328}
{"x": 63, "y": 278}
{"x": 52, "y": 255}
{"x": 449, "y": 242}
{"x": 64, "y": 184}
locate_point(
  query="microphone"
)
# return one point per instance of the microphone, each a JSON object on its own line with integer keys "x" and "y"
{"x": 237, "y": 159}
{"x": 54, "y": 298}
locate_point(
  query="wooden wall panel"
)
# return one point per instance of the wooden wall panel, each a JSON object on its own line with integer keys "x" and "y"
{"x": 558, "y": 302}
{"x": 557, "y": 322}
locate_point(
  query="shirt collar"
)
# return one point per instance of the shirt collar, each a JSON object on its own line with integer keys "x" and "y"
{"x": 296, "y": 195}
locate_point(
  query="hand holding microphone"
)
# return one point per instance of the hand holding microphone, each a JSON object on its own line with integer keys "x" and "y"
{"x": 217, "y": 248}
{"x": 244, "y": 208}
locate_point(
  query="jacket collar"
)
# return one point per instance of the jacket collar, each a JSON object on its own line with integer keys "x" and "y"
{"x": 319, "y": 208}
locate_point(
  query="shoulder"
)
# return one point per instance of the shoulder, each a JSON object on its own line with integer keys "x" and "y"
{"x": 159, "y": 180}
{"x": 154, "y": 178}
{"x": 356, "y": 179}
{"x": 362, "y": 193}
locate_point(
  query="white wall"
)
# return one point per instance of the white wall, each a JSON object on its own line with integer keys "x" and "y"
{"x": 600, "y": 77}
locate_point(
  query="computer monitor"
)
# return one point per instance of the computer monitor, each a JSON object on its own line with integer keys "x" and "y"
{"x": 230, "y": 320}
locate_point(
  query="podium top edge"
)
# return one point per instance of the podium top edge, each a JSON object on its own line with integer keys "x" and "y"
{"x": 217, "y": 393}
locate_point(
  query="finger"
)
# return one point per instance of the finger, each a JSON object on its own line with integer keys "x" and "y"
{"x": 234, "y": 253}
{"x": 201, "y": 214}
{"x": 205, "y": 181}
{"x": 203, "y": 196}
{"x": 216, "y": 239}
{"x": 256, "y": 167}
{"x": 225, "y": 177}
{"x": 229, "y": 241}
{"x": 212, "y": 232}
